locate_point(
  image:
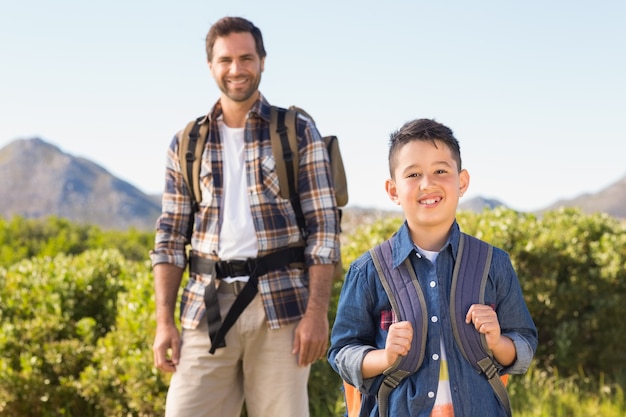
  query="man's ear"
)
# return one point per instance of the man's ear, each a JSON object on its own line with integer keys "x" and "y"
{"x": 392, "y": 191}
{"x": 464, "y": 181}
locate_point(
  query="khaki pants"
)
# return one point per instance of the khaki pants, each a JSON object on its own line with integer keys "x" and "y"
{"x": 256, "y": 365}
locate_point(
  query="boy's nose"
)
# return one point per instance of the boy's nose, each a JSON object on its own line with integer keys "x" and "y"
{"x": 426, "y": 181}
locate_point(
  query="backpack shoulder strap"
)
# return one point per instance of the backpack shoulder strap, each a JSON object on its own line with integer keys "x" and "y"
{"x": 190, "y": 147}
{"x": 285, "y": 149}
{"x": 403, "y": 290}
{"x": 473, "y": 261}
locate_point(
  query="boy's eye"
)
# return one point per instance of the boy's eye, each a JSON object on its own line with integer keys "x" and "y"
{"x": 441, "y": 171}
{"x": 413, "y": 175}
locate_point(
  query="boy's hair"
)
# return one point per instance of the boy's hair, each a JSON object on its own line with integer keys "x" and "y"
{"x": 227, "y": 25}
{"x": 423, "y": 130}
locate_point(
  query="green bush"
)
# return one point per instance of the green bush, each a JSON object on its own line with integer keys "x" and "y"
{"x": 64, "y": 317}
{"x": 121, "y": 380}
{"x": 77, "y": 319}
{"x": 22, "y": 238}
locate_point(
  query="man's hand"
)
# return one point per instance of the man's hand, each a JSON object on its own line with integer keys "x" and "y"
{"x": 166, "y": 348}
{"x": 311, "y": 338}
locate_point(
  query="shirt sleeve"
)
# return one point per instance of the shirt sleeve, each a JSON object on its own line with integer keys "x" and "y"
{"x": 355, "y": 331}
{"x": 173, "y": 223}
{"x": 317, "y": 197}
{"x": 513, "y": 315}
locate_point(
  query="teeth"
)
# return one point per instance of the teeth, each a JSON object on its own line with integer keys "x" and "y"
{"x": 429, "y": 201}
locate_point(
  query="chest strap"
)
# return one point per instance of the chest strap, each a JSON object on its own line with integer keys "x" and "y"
{"x": 253, "y": 268}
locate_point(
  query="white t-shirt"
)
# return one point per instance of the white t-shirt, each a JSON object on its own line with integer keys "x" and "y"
{"x": 237, "y": 234}
{"x": 443, "y": 400}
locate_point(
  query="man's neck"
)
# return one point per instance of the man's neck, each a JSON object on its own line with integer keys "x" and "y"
{"x": 234, "y": 113}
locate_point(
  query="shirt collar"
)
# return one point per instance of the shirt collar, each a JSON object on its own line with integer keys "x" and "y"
{"x": 403, "y": 247}
{"x": 261, "y": 107}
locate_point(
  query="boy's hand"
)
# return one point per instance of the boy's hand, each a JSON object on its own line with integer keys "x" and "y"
{"x": 398, "y": 341}
{"x": 485, "y": 320}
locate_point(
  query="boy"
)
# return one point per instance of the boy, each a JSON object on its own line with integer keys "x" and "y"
{"x": 427, "y": 181}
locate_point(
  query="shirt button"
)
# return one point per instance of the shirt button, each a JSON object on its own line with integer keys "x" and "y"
{"x": 431, "y": 394}
{"x": 435, "y": 357}
{"x": 433, "y": 284}
{"x": 434, "y": 319}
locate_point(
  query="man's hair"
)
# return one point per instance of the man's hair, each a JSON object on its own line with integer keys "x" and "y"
{"x": 425, "y": 130}
{"x": 227, "y": 25}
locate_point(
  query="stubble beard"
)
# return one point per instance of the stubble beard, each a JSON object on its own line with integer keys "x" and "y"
{"x": 240, "y": 96}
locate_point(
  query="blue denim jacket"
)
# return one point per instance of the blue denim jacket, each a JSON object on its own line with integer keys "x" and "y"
{"x": 357, "y": 330}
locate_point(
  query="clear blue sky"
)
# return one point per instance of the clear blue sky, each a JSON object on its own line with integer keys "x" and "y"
{"x": 535, "y": 91}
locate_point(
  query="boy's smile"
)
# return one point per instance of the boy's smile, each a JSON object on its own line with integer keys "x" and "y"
{"x": 427, "y": 184}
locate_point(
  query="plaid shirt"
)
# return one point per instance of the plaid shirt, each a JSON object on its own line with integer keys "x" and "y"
{"x": 284, "y": 293}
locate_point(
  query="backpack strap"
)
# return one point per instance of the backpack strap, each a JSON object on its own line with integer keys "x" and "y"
{"x": 190, "y": 148}
{"x": 403, "y": 289}
{"x": 285, "y": 150}
{"x": 473, "y": 260}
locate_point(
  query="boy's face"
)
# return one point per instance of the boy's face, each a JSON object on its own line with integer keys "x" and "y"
{"x": 427, "y": 184}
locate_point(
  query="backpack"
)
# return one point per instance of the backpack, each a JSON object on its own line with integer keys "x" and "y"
{"x": 407, "y": 301}
{"x": 285, "y": 149}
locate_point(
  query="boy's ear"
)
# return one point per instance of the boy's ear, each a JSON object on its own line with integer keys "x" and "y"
{"x": 464, "y": 180}
{"x": 392, "y": 191}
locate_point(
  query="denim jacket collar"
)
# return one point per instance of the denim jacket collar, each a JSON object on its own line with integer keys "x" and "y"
{"x": 403, "y": 246}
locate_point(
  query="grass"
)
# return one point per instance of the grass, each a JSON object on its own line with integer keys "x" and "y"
{"x": 541, "y": 394}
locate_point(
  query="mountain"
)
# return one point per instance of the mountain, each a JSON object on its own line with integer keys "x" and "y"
{"x": 610, "y": 200}
{"x": 478, "y": 204}
{"x": 37, "y": 180}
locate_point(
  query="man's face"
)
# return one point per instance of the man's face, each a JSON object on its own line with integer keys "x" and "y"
{"x": 236, "y": 66}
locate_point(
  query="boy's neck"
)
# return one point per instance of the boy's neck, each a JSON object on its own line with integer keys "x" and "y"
{"x": 430, "y": 238}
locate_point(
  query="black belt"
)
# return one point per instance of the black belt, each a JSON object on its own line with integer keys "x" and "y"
{"x": 223, "y": 269}
{"x": 253, "y": 268}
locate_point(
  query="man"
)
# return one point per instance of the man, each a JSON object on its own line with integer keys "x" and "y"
{"x": 242, "y": 232}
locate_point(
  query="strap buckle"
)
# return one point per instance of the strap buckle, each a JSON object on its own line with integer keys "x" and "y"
{"x": 225, "y": 269}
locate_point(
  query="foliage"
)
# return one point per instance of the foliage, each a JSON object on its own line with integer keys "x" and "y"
{"x": 542, "y": 393}
{"x": 62, "y": 317}
{"x": 77, "y": 318}
{"x": 22, "y": 238}
{"x": 120, "y": 379}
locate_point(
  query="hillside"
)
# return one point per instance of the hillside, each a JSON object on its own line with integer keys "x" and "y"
{"x": 478, "y": 204}
{"x": 37, "y": 179}
{"x": 610, "y": 200}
